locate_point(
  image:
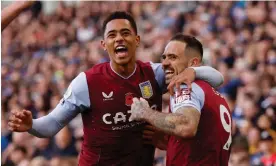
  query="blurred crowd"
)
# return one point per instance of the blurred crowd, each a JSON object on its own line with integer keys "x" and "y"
{"x": 41, "y": 53}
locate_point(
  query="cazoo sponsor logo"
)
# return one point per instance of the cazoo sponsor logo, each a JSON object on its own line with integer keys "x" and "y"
{"x": 111, "y": 119}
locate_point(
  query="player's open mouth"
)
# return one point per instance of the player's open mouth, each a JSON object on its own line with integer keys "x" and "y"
{"x": 168, "y": 73}
{"x": 121, "y": 51}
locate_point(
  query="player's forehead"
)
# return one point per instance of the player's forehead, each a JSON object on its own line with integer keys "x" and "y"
{"x": 175, "y": 47}
{"x": 118, "y": 25}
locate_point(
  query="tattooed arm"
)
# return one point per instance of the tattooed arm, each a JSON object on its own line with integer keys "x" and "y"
{"x": 182, "y": 123}
{"x": 184, "y": 119}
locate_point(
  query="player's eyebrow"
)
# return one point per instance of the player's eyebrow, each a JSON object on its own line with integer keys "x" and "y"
{"x": 168, "y": 55}
{"x": 121, "y": 30}
{"x": 125, "y": 29}
{"x": 111, "y": 31}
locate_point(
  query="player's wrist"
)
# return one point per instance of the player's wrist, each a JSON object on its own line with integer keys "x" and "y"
{"x": 146, "y": 113}
{"x": 30, "y": 126}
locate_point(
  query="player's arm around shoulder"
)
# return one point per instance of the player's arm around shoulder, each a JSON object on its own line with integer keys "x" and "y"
{"x": 189, "y": 75}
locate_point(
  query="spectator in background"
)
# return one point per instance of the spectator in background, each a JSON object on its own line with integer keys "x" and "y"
{"x": 239, "y": 156}
{"x": 43, "y": 148}
{"x": 41, "y": 161}
{"x": 19, "y": 156}
{"x": 64, "y": 143}
{"x": 253, "y": 138}
{"x": 268, "y": 156}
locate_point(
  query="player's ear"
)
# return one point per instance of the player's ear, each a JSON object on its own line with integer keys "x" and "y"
{"x": 137, "y": 40}
{"x": 195, "y": 61}
{"x": 103, "y": 44}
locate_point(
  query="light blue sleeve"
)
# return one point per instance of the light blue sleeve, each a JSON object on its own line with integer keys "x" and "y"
{"x": 75, "y": 100}
{"x": 159, "y": 75}
{"x": 78, "y": 93}
{"x": 209, "y": 74}
{"x": 193, "y": 99}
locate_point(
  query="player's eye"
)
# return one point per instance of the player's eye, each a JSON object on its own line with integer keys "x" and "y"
{"x": 172, "y": 57}
{"x": 111, "y": 35}
{"x": 126, "y": 33}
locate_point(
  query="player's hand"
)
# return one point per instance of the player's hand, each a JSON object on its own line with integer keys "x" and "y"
{"x": 154, "y": 137}
{"x": 185, "y": 77}
{"x": 20, "y": 121}
{"x": 138, "y": 108}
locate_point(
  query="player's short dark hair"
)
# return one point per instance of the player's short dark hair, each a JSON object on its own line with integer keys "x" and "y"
{"x": 191, "y": 42}
{"x": 120, "y": 15}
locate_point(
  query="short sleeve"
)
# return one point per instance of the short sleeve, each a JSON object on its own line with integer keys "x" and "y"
{"x": 184, "y": 98}
{"x": 78, "y": 93}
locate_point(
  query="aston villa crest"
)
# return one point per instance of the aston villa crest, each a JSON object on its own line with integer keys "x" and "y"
{"x": 146, "y": 89}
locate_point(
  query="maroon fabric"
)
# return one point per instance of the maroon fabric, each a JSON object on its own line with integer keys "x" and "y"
{"x": 206, "y": 148}
{"x": 109, "y": 137}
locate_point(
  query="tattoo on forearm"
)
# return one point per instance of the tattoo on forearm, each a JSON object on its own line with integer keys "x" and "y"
{"x": 162, "y": 123}
{"x": 169, "y": 123}
{"x": 166, "y": 122}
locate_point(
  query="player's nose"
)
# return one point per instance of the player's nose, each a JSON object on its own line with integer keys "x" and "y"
{"x": 119, "y": 38}
{"x": 165, "y": 63}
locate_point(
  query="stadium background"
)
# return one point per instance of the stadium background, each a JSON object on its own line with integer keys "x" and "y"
{"x": 47, "y": 46}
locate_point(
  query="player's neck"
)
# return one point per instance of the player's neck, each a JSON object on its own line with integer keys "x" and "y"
{"x": 124, "y": 71}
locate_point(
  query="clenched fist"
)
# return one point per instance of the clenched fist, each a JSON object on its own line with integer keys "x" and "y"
{"x": 138, "y": 108}
{"x": 20, "y": 121}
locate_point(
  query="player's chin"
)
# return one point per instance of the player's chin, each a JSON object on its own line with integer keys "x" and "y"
{"x": 167, "y": 81}
{"x": 123, "y": 61}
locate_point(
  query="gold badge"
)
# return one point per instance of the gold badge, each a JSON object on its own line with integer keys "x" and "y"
{"x": 146, "y": 89}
